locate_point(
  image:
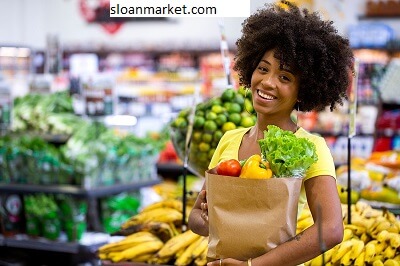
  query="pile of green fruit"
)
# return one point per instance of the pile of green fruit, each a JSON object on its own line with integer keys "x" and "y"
{"x": 232, "y": 109}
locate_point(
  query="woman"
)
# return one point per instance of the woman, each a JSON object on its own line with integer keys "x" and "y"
{"x": 291, "y": 60}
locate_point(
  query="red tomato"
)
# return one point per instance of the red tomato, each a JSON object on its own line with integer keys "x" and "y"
{"x": 229, "y": 167}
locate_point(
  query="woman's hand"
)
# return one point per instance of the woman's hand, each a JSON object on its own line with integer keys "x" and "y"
{"x": 203, "y": 205}
{"x": 198, "y": 218}
{"x": 227, "y": 262}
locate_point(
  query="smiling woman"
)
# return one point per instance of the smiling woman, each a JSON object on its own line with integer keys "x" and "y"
{"x": 298, "y": 61}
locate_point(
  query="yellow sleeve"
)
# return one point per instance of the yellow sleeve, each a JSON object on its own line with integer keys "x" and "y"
{"x": 325, "y": 164}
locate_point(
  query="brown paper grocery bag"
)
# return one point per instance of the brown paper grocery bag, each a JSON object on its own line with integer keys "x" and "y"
{"x": 248, "y": 217}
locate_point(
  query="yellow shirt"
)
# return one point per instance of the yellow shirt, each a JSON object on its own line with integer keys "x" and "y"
{"x": 228, "y": 148}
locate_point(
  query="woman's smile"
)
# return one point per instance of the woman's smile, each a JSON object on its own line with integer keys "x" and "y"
{"x": 265, "y": 96}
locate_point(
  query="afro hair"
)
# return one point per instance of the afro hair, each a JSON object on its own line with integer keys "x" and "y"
{"x": 301, "y": 39}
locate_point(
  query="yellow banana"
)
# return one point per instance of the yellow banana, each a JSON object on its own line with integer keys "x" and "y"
{"x": 380, "y": 247}
{"x": 167, "y": 203}
{"x": 317, "y": 261}
{"x": 391, "y": 262}
{"x": 202, "y": 259}
{"x": 359, "y": 261}
{"x": 305, "y": 213}
{"x": 347, "y": 234}
{"x": 127, "y": 242}
{"x": 370, "y": 251}
{"x": 138, "y": 250}
{"x": 143, "y": 258}
{"x": 362, "y": 206}
{"x": 357, "y": 230}
{"x": 186, "y": 257}
{"x": 356, "y": 249}
{"x": 384, "y": 225}
{"x": 372, "y": 213}
{"x": 160, "y": 229}
{"x": 345, "y": 260}
{"x": 365, "y": 238}
{"x": 201, "y": 248}
{"x": 176, "y": 243}
{"x": 359, "y": 220}
{"x": 389, "y": 252}
{"x": 378, "y": 263}
{"x": 158, "y": 215}
{"x": 343, "y": 248}
{"x": 305, "y": 223}
{"x": 383, "y": 236}
{"x": 328, "y": 254}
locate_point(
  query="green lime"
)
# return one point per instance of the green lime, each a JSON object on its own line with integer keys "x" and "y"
{"x": 184, "y": 112}
{"x": 247, "y": 121}
{"x": 202, "y": 157}
{"x": 228, "y": 126}
{"x": 234, "y": 108}
{"x": 198, "y": 122}
{"x": 211, "y": 116}
{"x": 196, "y": 136}
{"x": 217, "y": 109}
{"x": 217, "y": 135}
{"x": 248, "y": 106}
{"x": 228, "y": 95}
{"x": 214, "y": 101}
{"x": 204, "y": 147}
{"x": 239, "y": 99}
{"x": 180, "y": 122}
{"x": 235, "y": 118}
{"x": 242, "y": 91}
{"x": 199, "y": 113}
{"x": 207, "y": 137}
{"x": 210, "y": 125}
{"x": 221, "y": 119}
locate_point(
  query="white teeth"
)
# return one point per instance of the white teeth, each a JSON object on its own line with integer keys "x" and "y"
{"x": 265, "y": 96}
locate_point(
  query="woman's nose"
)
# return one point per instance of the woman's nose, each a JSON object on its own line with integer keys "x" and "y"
{"x": 268, "y": 82}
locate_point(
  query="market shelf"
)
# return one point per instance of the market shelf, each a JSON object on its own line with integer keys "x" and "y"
{"x": 76, "y": 191}
{"x": 41, "y": 244}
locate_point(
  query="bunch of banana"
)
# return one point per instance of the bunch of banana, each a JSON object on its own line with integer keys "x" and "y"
{"x": 137, "y": 247}
{"x": 164, "y": 231}
{"x": 372, "y": 238}
{"x": 304, "y": 220}
{"x": 156, "y": 214}
{"x": 195, "y": 252}
{"x": 174, "y": 247}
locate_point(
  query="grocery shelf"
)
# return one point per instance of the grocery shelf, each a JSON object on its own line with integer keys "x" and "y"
{"x": 23, "y": 241}
{"x": 76, "y": 191}
{"x": 55, "y": 252}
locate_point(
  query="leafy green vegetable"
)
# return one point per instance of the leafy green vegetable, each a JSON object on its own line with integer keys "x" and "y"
{"x": 287, "y": 155}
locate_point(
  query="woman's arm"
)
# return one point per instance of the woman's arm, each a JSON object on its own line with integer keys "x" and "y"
{"x": 324, "y": 203}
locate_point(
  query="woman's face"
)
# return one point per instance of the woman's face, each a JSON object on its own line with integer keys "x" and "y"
{"x": 274, "y": 87}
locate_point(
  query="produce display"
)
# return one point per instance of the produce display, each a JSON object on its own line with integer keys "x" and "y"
{"x": 49, "y": 215}
{"x": 90, "y": 155}
{"x": 155, "y": 236}
{"x": 372, "y": 238}
{"x": 232, "y": 109}
{"x": 45, "y": 113}
{"x": 375, "y": 179}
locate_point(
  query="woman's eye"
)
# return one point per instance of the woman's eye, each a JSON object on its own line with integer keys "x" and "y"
{"x": 285, "y": 78}
{"x": 262, "y": 69}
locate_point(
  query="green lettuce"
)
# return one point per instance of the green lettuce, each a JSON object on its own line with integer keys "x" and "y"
{"x": 288, "y": 155}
